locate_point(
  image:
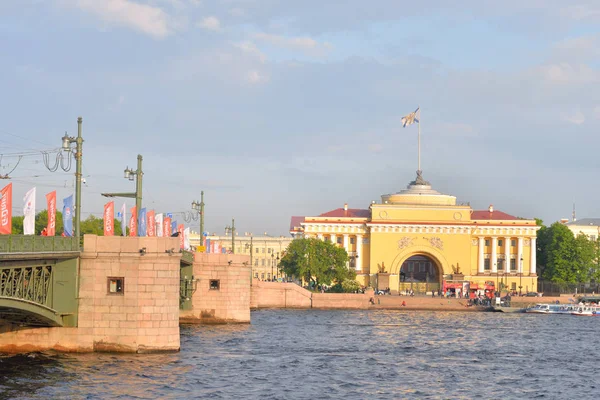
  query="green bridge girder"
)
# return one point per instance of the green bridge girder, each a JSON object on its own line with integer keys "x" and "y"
{"x": 39, "y": 280}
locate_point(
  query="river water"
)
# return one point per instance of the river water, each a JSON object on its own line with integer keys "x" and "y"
{"x": 312, "y": 354}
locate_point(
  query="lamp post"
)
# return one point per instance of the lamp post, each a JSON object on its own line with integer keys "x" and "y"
{"x": 520, "y": 275}
{"x": 66, "y": 146}
{"x": 232, "y": 229}
{"x": 199, "y": 206}
{"x": 272, "y": 265}
{"x": 497, "y": 281}
{"x": 137, "y": 195}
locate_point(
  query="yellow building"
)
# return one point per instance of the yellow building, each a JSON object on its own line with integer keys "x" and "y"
{"x": 419, "y": 239}
{"x": 265, "y": 251}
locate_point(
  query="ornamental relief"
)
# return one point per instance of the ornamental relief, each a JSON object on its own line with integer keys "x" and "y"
{"x": 527, "y": 242}
{"x": 404, "y": 242}
{"x": 435, "y": 242}
{"x": 474, "y": 242}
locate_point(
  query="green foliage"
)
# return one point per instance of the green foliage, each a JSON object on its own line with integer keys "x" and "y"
{"x": 350, "y": 286}
{"x": 91, "y": 224}
{"x": 316, "y": 261}
{"x": 564, "y": 258}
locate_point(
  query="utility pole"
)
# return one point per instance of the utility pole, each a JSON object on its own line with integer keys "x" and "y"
{"x": 232, "y": 229}
{"x": 79, "y": 146}
{"x": 137, "y": 195}
{"x": 202, "y": 218}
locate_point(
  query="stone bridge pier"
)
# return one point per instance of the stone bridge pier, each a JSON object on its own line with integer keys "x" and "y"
{"x": 129, "y": 299}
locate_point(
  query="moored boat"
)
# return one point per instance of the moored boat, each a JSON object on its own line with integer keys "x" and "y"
{"x": 586, "y": 311}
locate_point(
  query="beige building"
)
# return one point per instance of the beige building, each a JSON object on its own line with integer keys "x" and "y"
{"x": 588, "y": 226}
{"x": 265, "y": 251}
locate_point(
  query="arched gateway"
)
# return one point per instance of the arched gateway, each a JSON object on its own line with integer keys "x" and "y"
{"x": 420, "y": 273}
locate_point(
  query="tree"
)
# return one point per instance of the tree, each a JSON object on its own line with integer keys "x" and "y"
{"x": 317, "y": 262}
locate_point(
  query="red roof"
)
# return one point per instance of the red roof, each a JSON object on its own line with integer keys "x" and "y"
{"x": 295, "y": 223}
{"x": 349, "y": 213}
{"x": 491, "y": 216}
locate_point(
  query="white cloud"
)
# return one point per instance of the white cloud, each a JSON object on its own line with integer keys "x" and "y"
{"x": 210, "y": 24}
{"x": 575, "y": 117}
{"x": 148, "y": 19}
{"x": 255, "y": 77}
{"x": 303, "y": 43}
{"x": 566, "y": 73}
{"x": 250, "y": 48}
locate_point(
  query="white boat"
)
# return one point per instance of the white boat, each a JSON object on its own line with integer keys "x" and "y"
{"x": 586, "y": 311}
{"x": 552, "y": 309}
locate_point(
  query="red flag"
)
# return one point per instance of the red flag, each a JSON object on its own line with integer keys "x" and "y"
{"x": 167, "y": 227}
{"x": 180, "y": 230}
{"x": 6, "y": 210}
{"x": 109, "y": 219}
{"x": 51, "y": 204}
{"x": 133, "y": 222}
{"x": 151, "y": 224}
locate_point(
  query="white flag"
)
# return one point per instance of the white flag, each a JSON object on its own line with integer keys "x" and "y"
{"x": 186, "y": 238}
{"x": 411, "y": 118}
{"x": 29, "y": 213}
{"x": 158, "y": 218}
{"x": 123, "y": 215}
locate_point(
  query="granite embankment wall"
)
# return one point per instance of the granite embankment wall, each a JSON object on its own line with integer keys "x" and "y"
{"x": 230, "y": 303}
{"x": 143, "y": 318}
{"x": 290, "y": 295}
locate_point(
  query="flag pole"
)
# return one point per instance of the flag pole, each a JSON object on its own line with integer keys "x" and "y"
{"x": 419, "y": 140}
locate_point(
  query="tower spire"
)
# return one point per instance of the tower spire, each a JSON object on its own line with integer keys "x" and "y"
{"x": 574, "y": 217}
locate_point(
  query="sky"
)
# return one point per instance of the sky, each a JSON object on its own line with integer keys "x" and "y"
{"x": 280, "y": 108}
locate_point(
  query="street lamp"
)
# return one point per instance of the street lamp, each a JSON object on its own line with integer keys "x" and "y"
{"x": 131, "y": 174}
{"x": 272, "y": 265}
{"x": 232, "y": 229}
{"x": 277, "y": 265}
{"x": 66, "y": 147}
{"x": 520, "y": 276}
{"x": 199, "y": 206}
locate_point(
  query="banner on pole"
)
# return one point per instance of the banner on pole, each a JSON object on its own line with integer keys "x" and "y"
{"x": 109, "y": 218}
{"x": 151, "y": 224}
{"x": 68, "y": 216}
{"x": 133, "y": 222}
{"x": 6, "y": 210}
{"x": 29, "y": 212}
{"x": 51, "y": 206}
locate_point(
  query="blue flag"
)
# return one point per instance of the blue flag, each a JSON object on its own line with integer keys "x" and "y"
{"x": 173, "y": 227}
{"x": 68, "y": 215}
{"x": 142, "y": 222}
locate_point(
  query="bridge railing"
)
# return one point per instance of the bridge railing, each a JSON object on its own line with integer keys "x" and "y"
{"x": 32, "y": 283}
{"x": 36, "y": 244}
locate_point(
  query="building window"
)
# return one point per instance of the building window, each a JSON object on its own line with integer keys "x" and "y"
{"x": 256, "y": 262}
{"x": 257, "y": 250}
{"x": 339, "y": 240}
{"x": 421, "y": 267}
{"x": 256, "y": 275}
{"x": 486, "y": 264}
{"x": 513, "y": 286}
{"x": 262, "y": 276}
{"x": 263, "y": 262}
{"x": 500, "y": 242}
{"x": 352, "y": 240}
{"x": 410, "y": 267}
{"x": 115, "y": 285}
{"x": 269, "y": 250}
{"x": 513, "y": 264}
{"x": 487, "y": 242}
{"x": 263, "y": 250}
{"x": 513, "y": 243}
{"x": 215, "y": 284}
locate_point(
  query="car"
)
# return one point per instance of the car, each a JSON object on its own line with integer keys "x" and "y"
{"x": 531, "y": 294}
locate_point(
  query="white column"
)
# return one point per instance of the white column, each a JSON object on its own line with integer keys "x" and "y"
{"x": 520, "y": 254}
{"x": 481, "y": 260}
{"x": 533, "y": 268}
{"x": 507, "y": 254}
{"x": 494, "y": 259}
{"x": 346, "y": 248}
{"x": 334, "y": 239}
{"x": 358, "y": 261}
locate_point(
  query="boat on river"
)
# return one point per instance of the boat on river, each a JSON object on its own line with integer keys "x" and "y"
{"x": 566, "y": 309}
{"x": 586, "y": 311}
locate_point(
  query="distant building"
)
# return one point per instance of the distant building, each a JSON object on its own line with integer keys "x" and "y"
{"x": 588, "y": 226}
{"x": 265, "y": 251}
{"x": 422, "y": 240}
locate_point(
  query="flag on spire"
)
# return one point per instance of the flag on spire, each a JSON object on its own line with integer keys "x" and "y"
{"x": 411, "y": 118}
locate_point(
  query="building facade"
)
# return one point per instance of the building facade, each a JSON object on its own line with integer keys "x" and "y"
{"x": 419, "y": 239}
{"x": 587, "y": 226}
{"x": 265, "y": 251}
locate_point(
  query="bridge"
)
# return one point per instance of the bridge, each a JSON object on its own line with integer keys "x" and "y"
{"x": 38, "y": 280}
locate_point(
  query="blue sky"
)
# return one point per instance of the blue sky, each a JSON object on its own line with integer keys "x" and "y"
{"x": 281, "y": 108}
